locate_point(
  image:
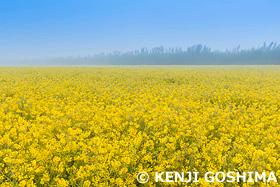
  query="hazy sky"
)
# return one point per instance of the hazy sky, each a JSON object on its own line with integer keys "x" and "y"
{"x": 48, "y": 28}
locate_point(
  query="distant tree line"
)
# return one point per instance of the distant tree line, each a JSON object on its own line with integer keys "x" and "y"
{"x": 194, "y": 55}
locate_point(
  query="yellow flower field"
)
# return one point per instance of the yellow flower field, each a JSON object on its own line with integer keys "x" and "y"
{"x": 100, "y": 126}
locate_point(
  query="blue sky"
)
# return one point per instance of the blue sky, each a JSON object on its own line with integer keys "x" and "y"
{"x": 40, "y": 28}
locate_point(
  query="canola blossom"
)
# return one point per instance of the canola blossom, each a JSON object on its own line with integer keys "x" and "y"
{"x": 100, "y": 126}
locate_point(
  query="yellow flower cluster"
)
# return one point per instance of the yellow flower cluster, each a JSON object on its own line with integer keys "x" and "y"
{"x": 100, "y": 126}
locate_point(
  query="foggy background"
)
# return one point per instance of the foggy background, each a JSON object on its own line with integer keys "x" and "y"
{"x": 37, "y": 32}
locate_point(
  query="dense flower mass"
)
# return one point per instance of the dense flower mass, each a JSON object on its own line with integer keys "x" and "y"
{"x": 100, "y": 126}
